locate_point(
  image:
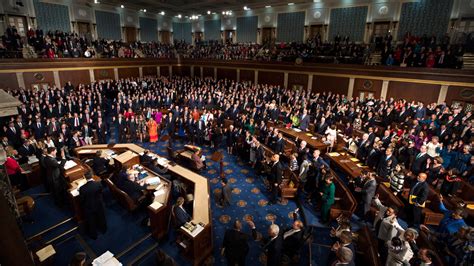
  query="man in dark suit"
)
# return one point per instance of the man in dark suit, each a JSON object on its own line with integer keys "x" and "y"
{"x": 386, "y": 163}
{"x": 93, "y": 206}
{"x": 26, "y": 150}
{"x": 101, "y": 128}
{"x": 304, "y": 120}
{"x": 180, "y": 214}
{"x": 100, "y": 165}
{"x": 363, "y": 147}
{"x": 53, "y": 172}
{"x": 274, "y": 246}
{"x": 13, "y": 135}
{"x": 235, "y": 244}
{"x": 368, "y": 192}
{"x": 279, "y": 146}
{"x": 275, "y": 178}
{"x": 417, "y": 198}
{"x": 322, "y": 126}
{"x": 419, "y": 164}
{"x": 132, "y": 188}
{"x": 38, "y": 129}
{"x": 121, "y": 126}
{"x": 225, "y": 198}
{"x": 293, "y": 238}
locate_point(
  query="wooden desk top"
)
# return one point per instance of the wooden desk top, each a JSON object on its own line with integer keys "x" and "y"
{"x": 306, "y": 136}
{"x": 349, "y": 164}
{"x": 201, "y": 208}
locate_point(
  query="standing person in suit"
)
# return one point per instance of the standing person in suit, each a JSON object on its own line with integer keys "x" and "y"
{"x": 93, "y": 205}
{"x": 368, "y": 192}
{"x": 225, "y": 198}
{"x": 274, "y": 246}
{"x": 180, "y": 213}
{"x": 279, "y": 146}
{"x": 13, "y": 135}
{"x": 275, "y": 178}
{"x": 304, "y": 120}
{"x": 419, "y": 164}
{"x": 53, "y": 172}
{"x": 101, "y": 128}
{"x": 235, "y": 245}
{"x": 26, "y": 150}
{"x": 293, "y": 238}
{"x": 417, "y": 198}
{"x": 327, "y": 193}
{"x": 386, "y": 164}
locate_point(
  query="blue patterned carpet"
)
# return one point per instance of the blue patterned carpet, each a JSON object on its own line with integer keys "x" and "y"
{"x": 250, "y": 198}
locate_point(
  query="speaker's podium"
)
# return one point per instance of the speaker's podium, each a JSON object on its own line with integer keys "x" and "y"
{"x": 196, "y": 242}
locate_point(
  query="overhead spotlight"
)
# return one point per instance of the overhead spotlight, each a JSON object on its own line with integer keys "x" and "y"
{"x": 223, "y": 12}
{"x": 208, "y": 12}
{"x": 162, "y": 13}
{"x": 246, "y": 8}
{"x": 290, "y": 4}
{"x": 268, "y": 6}
{"x": 122, "y": 6}
{"x": 96, "y": 2}
{"x": 144, "y": 10}
{"x": 179, "y": 16}
{"x": 214, "y": 13}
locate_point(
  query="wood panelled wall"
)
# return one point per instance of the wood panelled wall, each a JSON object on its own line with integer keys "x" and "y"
{"x": 427, "y": 93}
{"x": 399, "y": 83}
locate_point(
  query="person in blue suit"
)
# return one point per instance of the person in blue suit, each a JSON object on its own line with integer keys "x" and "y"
{"x": 180, "y": 214}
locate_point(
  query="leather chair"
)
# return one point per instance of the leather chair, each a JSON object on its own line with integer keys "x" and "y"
{"x": 123, "y": 198}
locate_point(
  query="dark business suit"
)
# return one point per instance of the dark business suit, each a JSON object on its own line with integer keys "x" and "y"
{"x": 367, "y": 193}
{"x": 93, "y": 206}
{"x": 58, "y": 183}
{"x": 419, "y": 164}
{"x": 275, "y": 180}
{"x": 304, "y": 122}
{"x": 293, "y": 243}
{"x": 181, "y": 216}
{"x": 236, "y": 246}
{"x": 385, "y": 165}
{"x": 133, "y": 189}
{"x": 100, "y": 165}
{"x": 273, "y": 250}
{"x": 420, "y": 190}
{"x": 279, "y": 146}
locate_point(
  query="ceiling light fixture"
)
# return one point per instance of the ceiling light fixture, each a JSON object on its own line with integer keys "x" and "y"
{"x": 268, "y": 6}
{"x": 208, "y": 12}
{"x": 162, "y": 13}
{"x": 179, "y": 16}
{"x": 122, "y": 6}
{"x": 144, "y": 10}
{"x": 290, "y": 4}
{"x": 96, "y": 2}
{"x": 246, "y": 8}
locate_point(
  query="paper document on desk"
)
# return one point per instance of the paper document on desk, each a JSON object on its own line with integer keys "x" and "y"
{"x": 45, "y": 253}
{"x": 32, "y": 159}
{"x": 156, "y": 205}
{"x": 162, "y": 161}
{"x": 297, "y": 129}
{"x": 106, "y": 259}
{"x": 203, "y": 158}
{"x": 75, "y": 192}
{"x": 333, "y": 154}
{"x": 85, "y": 151}
{"x": 69, "y": 164}
{"x": 153, "y": 180}
{"x": 109, "y": 152}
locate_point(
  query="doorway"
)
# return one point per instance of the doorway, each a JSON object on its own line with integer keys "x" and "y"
{"x": 19, "y": 22}
{"x": 229, "y": 36}
{"x": 130, "y": 34}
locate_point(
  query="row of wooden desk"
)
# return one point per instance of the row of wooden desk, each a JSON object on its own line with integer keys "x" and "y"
{"x": 198, "y": 243}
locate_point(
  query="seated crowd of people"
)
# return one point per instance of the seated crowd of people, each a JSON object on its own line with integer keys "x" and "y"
{"x": 407, "y": 144}
{"x": 420, "y": 51}
{"x": 413, "y": 52}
